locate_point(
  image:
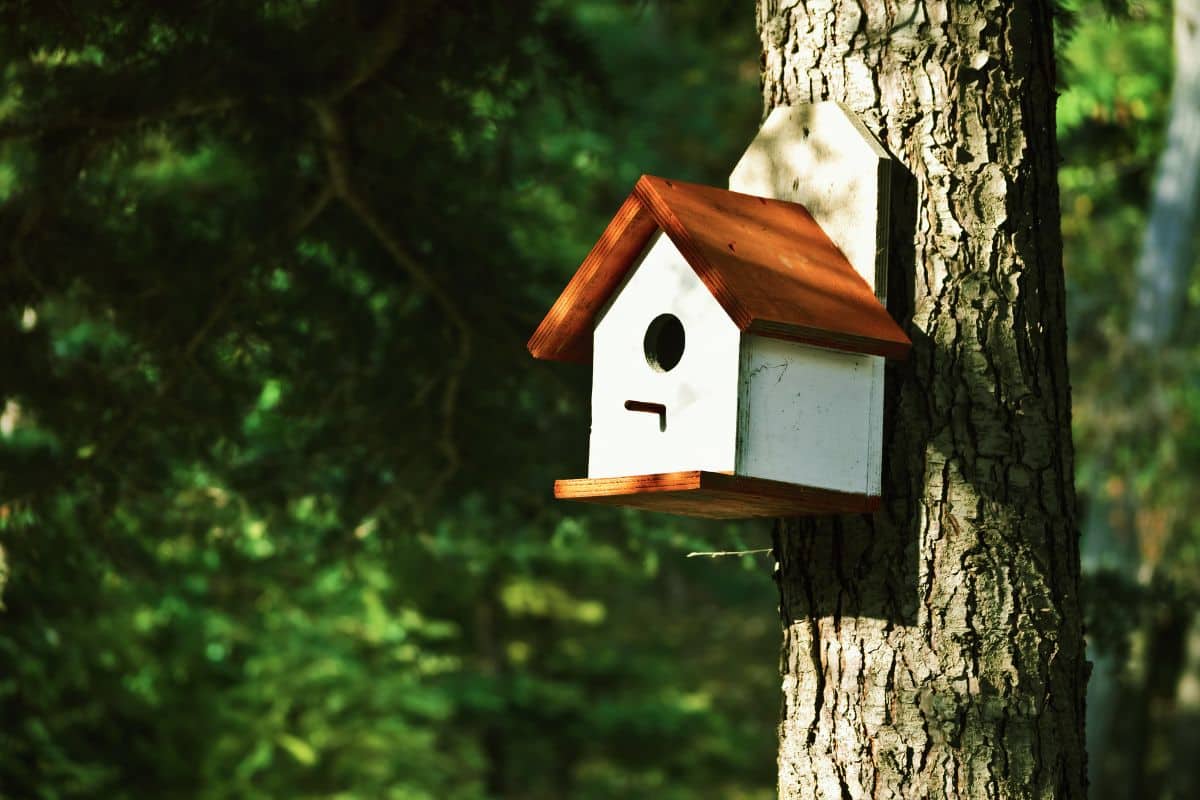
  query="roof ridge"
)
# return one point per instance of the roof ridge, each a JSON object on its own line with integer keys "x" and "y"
{"x": 767, "y": 262}
{"x": 682, "y": 238}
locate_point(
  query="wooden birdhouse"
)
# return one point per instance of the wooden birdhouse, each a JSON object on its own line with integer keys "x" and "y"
{"x": 737, "y": 352}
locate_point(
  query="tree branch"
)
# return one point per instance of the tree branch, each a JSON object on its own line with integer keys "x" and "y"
{"x": 389, "y": 35}
{"x": 333, "y": 133}
{"x": 386, "y": 37}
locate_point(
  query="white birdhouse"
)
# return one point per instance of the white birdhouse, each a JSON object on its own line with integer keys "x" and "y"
{"x": 737, "y": 340}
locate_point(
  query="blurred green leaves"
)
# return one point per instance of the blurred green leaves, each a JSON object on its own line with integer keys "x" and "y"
{"x": 230, "y": 576}
{"x": 1134, "y": 419}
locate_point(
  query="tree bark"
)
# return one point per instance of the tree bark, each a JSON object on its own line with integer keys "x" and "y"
{"x": 935, "y": 649}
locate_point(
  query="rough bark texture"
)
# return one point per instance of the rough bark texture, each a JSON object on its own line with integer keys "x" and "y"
{"x": 935, "y": 650}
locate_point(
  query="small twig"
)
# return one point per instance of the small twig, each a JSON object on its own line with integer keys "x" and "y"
{"x": 293, "y": 228}
{"x": 33, "y": 126}
{"x": 41, "y": 204}
{"x": 722, "y": 553}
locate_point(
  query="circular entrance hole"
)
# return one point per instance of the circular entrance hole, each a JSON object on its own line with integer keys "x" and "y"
{"x": 664, "y": 342}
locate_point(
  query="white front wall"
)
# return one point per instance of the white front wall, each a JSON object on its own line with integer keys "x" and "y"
{"x": 700, "y": 393}
{"x": 810, "y": 416}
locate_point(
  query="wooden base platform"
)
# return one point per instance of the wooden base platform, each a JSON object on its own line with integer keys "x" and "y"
{"x": 713, "y": 495}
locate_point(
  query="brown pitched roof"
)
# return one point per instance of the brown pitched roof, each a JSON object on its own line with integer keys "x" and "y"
{"x": 767, "y": 263}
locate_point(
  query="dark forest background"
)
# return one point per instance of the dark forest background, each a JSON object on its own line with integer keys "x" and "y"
{"x": 275, "y": 466}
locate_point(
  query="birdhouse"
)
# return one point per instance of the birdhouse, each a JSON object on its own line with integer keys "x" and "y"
{"x": 737, "y": 353}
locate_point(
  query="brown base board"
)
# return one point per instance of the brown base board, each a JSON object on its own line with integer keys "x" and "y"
{"x": 712, "y": 494}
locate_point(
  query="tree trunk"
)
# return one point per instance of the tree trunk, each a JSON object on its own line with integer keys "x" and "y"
{"x": 935, "y": 649}
{"x": 1166, "y": 654}
{"x": 1184, "y": 779}
{"x": 1166, "y": 256}
{"x": 1112, "y": 548}
{"x": 1160, "y": 291}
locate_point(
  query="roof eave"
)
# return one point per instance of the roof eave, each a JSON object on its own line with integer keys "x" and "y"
{"x": 565, "y": 333}
{"x": 895, "y": 347}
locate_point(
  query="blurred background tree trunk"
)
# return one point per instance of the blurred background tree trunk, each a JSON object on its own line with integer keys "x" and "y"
{"x": 935, "y": 649}
{"x": 1167, "y": 249}
{"x": 1132, "y": 719}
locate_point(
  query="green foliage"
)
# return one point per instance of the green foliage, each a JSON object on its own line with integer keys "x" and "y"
{"x": 1135, "y": 413}
{"x": 275, "y": 463}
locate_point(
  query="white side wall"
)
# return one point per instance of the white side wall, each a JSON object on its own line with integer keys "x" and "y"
{"x": 700, "y": 393}
{"x": 810, "y": 416}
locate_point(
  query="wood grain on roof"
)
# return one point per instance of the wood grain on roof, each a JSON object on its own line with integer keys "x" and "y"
{"x": 767, "y": 263}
